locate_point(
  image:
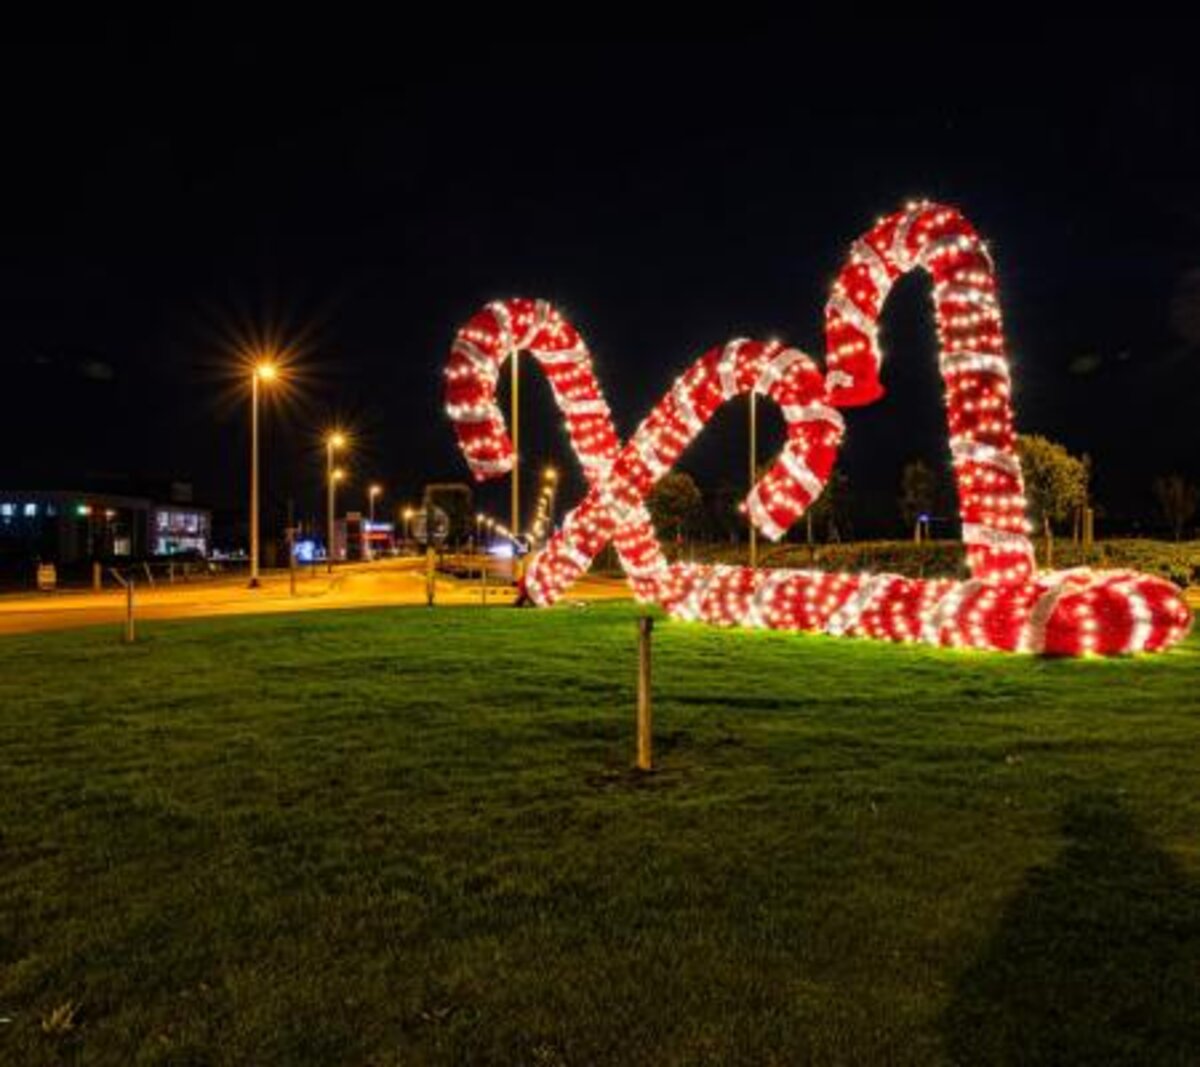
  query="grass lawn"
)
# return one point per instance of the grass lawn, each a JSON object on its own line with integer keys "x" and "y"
{"x": 401, "y": 836}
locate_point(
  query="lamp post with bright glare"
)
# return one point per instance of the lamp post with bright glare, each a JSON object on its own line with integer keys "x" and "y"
{"x": 372, "y": 493}
{"x": 264, "y": 371}
{"x": 333, "y": 442}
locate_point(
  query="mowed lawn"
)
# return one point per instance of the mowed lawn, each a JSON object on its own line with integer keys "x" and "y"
{"x": 409, "y": 836}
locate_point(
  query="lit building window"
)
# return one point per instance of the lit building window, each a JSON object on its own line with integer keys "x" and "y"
{"x": 31, "y": 511}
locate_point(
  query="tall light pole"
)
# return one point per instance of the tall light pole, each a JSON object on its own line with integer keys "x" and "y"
{"x": 264, "y": 371}
{"x": 372, "y": 493}
{"x": 550, "y": 476}
{"x": 516, "y": 442}
{"x": 408, "y": 514}
{"x": 753, "y": 472}
{"x": 333, "y": 442}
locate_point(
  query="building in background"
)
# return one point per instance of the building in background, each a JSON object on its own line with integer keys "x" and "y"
{"x": 70, "y": 527}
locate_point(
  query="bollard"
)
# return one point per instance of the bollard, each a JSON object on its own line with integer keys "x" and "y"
{"x": 645, "y": 755}
{"x": 483, "y": 580}
{"x": 97, "y": 576}
{"x": 430, "y": 580}
{"x": 130, "y": 635}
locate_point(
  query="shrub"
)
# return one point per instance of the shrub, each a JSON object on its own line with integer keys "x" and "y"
{"x": 1177, "y": 562}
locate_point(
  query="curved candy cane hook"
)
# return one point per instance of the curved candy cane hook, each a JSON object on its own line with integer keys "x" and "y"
{"x": 940, "y": 241}
{"x": 619, "y": 479}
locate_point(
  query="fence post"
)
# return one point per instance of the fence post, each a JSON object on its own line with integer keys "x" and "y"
{"x": 97, "y": 575}
{"x": 645, "y": 755}
{"x": 430, "y": 572}
{"x": 130, "y": 635}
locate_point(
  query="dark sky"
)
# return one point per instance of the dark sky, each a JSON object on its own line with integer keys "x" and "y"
{"x": 170, "y": 187}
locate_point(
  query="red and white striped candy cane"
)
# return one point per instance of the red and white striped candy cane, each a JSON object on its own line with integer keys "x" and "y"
{"x": 619, "y": 479}
{"x": 971, "y": 354}
{"x": 614, "y": 507}
{"x": 1002, "y": 607}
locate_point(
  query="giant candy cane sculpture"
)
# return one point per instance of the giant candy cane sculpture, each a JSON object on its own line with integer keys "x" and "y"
{"x": 1004, "y": 606}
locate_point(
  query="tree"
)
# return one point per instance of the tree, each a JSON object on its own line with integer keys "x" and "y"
{"x": 830, "y": 510}
{"x": 455, "y": 499}
{"x": 1177, "y": 500}
{"x": 1055, "y": 482}
{"x": 675, "y": 505}
{"x": 918, "y": 491}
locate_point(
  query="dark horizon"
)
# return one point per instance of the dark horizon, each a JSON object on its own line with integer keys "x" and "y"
{"x": 172, "y": 189}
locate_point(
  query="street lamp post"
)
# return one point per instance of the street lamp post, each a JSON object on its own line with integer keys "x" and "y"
{"x": 518, "y": 571}
{"x": 753, "y": 473}
{"x": 332, "y": 443}
{"x": 263, "y": 372}
{"x": 551, "y": 477}
{"x": 372, "y": 494}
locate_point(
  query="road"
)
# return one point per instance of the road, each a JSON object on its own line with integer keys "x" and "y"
{"x": 357, "y": 585}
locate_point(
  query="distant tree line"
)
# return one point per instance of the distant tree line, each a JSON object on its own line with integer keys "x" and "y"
{"x": 1057, "y": 488}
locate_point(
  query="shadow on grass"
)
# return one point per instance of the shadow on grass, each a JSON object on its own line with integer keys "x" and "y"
{"x": 1096, "y": 960}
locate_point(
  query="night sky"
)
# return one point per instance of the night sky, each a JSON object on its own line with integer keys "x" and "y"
{"x": 171, "y": 189}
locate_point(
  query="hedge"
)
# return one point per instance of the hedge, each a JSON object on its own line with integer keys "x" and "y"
{"x": 1178, "y": 562}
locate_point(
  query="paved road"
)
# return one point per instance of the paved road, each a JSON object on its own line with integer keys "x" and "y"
{"x": 379, "y": 584}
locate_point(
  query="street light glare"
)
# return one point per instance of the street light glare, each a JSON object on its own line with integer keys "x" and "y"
{"x": 336, "y": 439}
{"x": 339, "y": 474}
{"x": 266, "y": 371}
{"x": 375, "y": 490}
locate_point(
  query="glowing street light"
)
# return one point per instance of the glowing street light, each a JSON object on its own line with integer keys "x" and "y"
{"x": 334, "y": 441}
{"x": 372, "y": 494}
{"x": 264, "y": 371}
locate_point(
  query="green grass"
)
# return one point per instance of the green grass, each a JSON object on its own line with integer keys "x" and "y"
{"x": 399, "y": 837}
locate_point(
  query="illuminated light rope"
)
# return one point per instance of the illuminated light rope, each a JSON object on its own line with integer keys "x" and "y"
{"x": 971, "y": 356}
{"x": 1003, "y": 607}
{"x": 619, "y": 479}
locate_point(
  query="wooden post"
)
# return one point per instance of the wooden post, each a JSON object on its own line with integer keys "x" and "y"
{"x": 645, "y": 755}
{"x": 130, "y": 635}
{"x": 1089, "y": 529}
{"x": 430, "y": 571}
{"x": 291, "y": 546}
{"x": 97, "y": 575}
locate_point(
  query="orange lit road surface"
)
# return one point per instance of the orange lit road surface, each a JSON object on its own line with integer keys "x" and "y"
{"x": 388, "y": 582}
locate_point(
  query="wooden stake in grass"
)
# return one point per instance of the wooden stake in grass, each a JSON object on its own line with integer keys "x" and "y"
{"x": 129, "y": 636}
{"x": 645, "y": 755}
{"x": 430, "y": 579}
